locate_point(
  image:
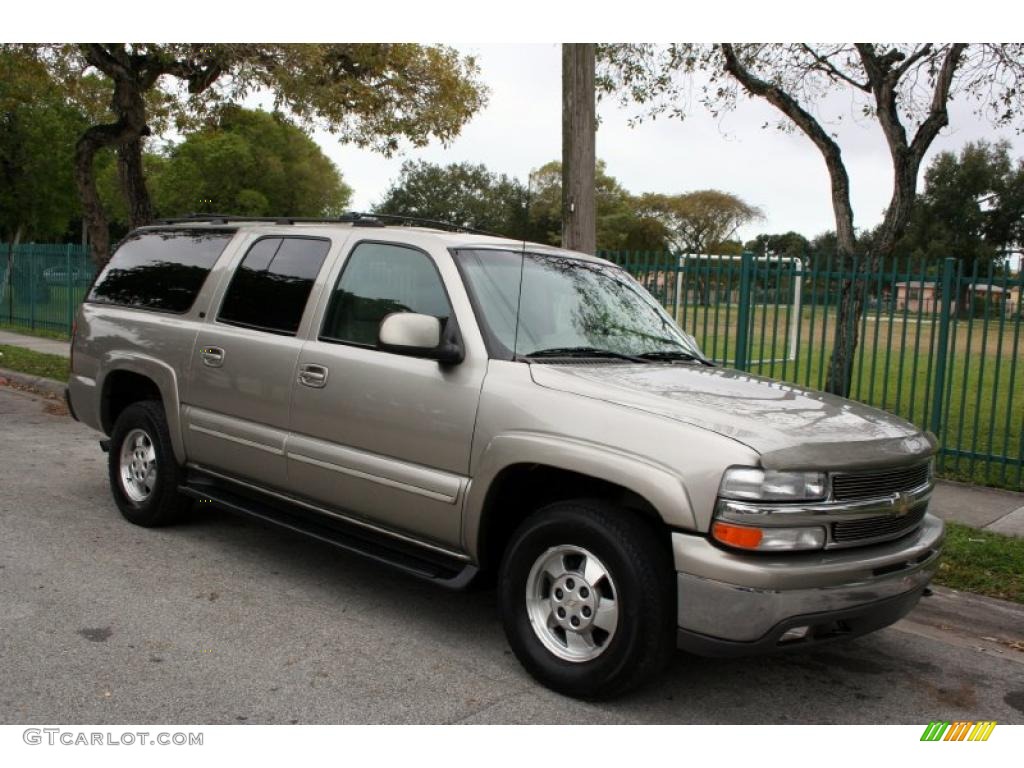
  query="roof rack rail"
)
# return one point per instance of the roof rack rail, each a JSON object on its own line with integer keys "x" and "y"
{"x": 352, "y": 217}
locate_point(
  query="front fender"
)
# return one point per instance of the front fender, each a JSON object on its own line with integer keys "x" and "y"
{"x": 658, "y": 484}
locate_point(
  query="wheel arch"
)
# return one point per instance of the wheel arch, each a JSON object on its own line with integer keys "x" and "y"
{"x": 130, "y": 379}
{"x": 520, "y": 472}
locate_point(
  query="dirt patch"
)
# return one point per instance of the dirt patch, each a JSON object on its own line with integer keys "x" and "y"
{"x": 55, "y": 408}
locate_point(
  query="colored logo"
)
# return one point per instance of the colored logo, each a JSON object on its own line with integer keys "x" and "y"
{"x": 959, "y": 730}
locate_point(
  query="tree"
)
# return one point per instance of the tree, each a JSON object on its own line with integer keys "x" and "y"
{"x": 248, "y": 162}
{"x": 971, "y": 208}
{"x": 38, "y": 129}
{"x": 472, "y": 195}
{"x": 904, "y": 88}
{"x": 698, "y": 222}
{"x": 788, "y": 244}
{"x": 460, "y": 193}
{"x": 618, "y": 225}
{"x": 370, "y": 94}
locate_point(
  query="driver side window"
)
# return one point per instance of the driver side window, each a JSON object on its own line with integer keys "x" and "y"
{"x": 377, "y": 280}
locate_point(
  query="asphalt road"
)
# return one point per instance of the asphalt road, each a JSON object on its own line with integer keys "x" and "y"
{"x": 222, "y": 620}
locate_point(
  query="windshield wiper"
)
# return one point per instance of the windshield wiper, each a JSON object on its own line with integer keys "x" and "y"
{"x": 675, "y": 354}
{"x": 582, "y": 352}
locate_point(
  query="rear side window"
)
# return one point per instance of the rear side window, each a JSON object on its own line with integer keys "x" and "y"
{"x": 160, "y": 270}
{"x": 270, "y": 288}
{"x": 380, "y": 279}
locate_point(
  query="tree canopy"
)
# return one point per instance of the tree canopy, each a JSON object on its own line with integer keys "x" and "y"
{"x": 701, "y": 221}
{"x": 248, "y": 162}
{"x": 374, "y": 95}
{"x": 619, "y": 228}
{"x": 460, "y": 193}
{"x": 472, "y": 195}
{"x": 38, "y": 129}
{"x": 904, "y": 88}
{"x": 971, "y": 208}
{"x": 791, "y": 244}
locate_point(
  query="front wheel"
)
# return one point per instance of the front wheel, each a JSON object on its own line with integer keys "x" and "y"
{"x": 587, "y": 598}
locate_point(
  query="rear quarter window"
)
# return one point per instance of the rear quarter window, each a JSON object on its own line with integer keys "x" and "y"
{"x": 271, "y": 286}
{"x": 160, "y": 270}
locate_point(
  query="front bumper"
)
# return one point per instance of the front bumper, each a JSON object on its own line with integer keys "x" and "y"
{"x": 735, "y": 603}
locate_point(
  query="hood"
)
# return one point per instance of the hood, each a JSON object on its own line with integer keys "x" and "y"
{"x": 791, "y": 427}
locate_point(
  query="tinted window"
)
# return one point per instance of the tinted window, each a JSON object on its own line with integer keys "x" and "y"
{"x": 161, "y": 270}
{"x": 379, "y": 279}
{"x": 270, "y": 288}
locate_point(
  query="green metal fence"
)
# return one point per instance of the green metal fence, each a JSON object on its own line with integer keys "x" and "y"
{"x": 41, "y": 286}
{"x": 939, "y": 344}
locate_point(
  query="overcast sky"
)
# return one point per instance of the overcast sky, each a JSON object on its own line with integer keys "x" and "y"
{"x": 783, "y": 174}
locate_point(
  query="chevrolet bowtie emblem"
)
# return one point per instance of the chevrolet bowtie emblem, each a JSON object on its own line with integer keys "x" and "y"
{"x": 902, "y": 503}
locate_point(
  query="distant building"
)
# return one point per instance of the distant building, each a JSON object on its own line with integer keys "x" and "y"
{"x": 923, "y": 296}
{"x": 1006, "y": 299}
{"x": 916, "y": 296}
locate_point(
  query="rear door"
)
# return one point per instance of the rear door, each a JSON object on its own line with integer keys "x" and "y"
{"x": 384, "y": 435}
{"x": 244, "y": 360}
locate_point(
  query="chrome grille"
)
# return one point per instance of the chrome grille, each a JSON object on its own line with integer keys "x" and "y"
{"x": 869, "y": 528}
{"x": 876, "y": 484}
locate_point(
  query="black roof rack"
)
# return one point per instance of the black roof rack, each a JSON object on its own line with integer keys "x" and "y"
{"x": 354, "y": 218}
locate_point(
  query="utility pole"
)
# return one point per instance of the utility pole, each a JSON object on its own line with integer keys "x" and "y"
{"x": 579, "y": 214}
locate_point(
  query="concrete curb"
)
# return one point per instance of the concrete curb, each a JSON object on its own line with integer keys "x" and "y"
{"x": 38, "y": 384}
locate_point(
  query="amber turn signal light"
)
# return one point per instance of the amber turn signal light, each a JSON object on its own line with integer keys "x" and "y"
{"x": 737, "y": 535}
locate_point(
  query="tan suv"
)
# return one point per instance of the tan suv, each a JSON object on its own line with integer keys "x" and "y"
{"x": 455, "y": 404}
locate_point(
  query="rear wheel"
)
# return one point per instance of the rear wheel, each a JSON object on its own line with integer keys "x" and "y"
{"x": 587, "y": 599}
{"x": 144, "y": 474}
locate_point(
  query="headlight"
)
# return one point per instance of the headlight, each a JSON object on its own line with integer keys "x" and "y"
{"x": 753, "y": 484}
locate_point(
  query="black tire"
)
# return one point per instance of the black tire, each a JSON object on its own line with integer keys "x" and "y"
{"x": 638, "y": 563}
{"x": 163, "y": 505}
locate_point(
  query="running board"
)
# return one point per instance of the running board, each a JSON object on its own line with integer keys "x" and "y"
{"x": 435, "y": 567}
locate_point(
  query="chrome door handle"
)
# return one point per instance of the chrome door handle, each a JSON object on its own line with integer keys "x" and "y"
{"x": 212, "y": 356}
{"x": 313, "y": 375}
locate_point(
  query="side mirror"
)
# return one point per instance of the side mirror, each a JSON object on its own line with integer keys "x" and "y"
{"x": 407, "y": 333}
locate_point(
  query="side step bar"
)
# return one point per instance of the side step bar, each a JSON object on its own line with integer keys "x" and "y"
{"x": 422, "y": 563}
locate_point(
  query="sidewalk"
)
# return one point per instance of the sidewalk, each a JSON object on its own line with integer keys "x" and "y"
{"x": 36, "y": 343}
{"x": 977, "y": 506}
{"x": 991, "y": 509}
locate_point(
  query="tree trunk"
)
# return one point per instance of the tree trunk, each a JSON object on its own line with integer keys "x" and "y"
{"x": 133, "y": 183}
{"x": 883, "y": 75}
{"x": 7, "y": 290}
{"x": 126, "y": 134}
{"x": 93, "y": 217}
{"x": 854, "y": 287}
{"x": 579, "y": 214}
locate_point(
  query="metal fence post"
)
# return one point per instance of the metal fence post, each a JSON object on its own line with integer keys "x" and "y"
{"x": 69, "y": 289}
{"x": 942, "y": 348}
{"x": 678, "y": 261}
{"x": 743, "y": 311}
{"x": 32, "y": 289}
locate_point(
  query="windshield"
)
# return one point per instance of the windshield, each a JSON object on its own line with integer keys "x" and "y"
{"x": 535, "y": 304}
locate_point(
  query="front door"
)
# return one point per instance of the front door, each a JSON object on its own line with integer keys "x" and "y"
{"x": 382, "y": 435}
{"x": 243, "y": 366}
